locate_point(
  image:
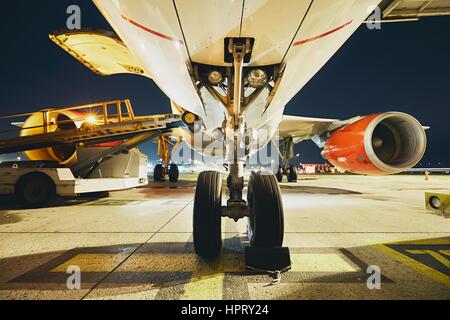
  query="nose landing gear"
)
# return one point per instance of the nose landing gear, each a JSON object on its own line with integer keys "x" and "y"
{"x": 263, "y": 207}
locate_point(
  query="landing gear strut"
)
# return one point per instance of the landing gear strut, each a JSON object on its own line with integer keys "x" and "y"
{"x": 162, "y": 170}
{"x": 287, "y": 154}
{"x": 263, "y": 207}
{"x": 289, "y": 171}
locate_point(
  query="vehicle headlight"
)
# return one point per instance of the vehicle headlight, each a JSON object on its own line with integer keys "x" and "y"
{"x": 257, "y": 78}
{"x": 215, "y": 77}
{"x": 435, "y": 202}
{"x": 91, "y": 119}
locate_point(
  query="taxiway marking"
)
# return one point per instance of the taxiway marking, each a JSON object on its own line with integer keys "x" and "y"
{"x": 435, "y": 254}
{"x": 204, "y": 288}
{"x": 167, "y": 262}
{"x": 429, "y": 257}
{"x": 320, "y": 262}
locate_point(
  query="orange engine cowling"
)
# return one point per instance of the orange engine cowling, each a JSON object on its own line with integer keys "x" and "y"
{"x": 385, "y": 143}
{"x": 58, "y": 120}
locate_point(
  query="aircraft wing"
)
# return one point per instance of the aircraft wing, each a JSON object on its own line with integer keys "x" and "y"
{"x": 301, "y": 128}
{"x": 411, "y": 10}
{"x": 101, "y": 51}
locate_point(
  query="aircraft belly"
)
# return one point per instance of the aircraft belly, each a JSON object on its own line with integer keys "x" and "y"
{"x": 206, "y": 24}
{"x": 273, "y": 24}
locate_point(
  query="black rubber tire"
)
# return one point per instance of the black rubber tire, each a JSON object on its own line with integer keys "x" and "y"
{"x": 158, "y": 173}
{"x": 35, "y": 190}
{"x": 207, "y": 215}
{"x": 266, "y": 221}
{"x": 292, "y": 175}
{"x": 279, "y": 175}
{"x": 174, "y": 173}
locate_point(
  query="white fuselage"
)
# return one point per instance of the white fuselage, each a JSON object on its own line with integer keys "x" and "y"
{"x": 166, "y": 36}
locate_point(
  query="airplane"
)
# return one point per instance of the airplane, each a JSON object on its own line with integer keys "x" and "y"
{"x": 229, "y": 68}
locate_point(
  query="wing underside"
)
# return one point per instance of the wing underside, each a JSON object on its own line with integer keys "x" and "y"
{"x": 301, "y": 128}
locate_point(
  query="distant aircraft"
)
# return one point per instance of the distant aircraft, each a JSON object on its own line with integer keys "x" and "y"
{"x": 230, "y": 67}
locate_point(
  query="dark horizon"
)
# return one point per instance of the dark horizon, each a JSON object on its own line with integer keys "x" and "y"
{"x": 402, "y": 67}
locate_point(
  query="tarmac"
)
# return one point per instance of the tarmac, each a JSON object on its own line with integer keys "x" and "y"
{"x": 350, "y": 237}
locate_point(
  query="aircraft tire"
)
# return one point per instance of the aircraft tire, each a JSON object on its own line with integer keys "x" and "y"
{"x": 266, "y": 220}
{"x": 292, "y": 175}
{"x": 279, "y": 175}
{"x": 174, "y": 173}
{"x": 208, "y": 216}
{"x": 158, "y": 173}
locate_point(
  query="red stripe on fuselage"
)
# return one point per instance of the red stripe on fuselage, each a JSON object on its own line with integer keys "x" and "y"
{"x": 156, "y": 33}
{"x": 322, "y": 35}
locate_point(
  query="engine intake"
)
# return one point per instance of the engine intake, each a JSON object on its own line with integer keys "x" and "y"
{"x": 385, "y": 143}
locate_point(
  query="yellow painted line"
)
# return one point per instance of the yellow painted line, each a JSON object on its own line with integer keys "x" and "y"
{"x": 153, "y": 262}
{"x": 436, "y": 255}
{"x": 320, "y": 262}
{"x": 204, "y": 288}
{"x": 132, "y": 296}
{"x": 93, "y": 262}
{"x": 207, "y": 281}
{"x": 446, "y": 252}
{"x": 159, "y": 262}
{"x": 424, "y": 269}
{"x": 229, "y": 263}
{"x": 425, "y": 241}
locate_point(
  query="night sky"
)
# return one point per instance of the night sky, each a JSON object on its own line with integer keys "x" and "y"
{"x": 403, "y": 67}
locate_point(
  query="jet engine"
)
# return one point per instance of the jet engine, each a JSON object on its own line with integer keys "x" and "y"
{"x": 385, "y": 143}
{"x": 57, "y": 121}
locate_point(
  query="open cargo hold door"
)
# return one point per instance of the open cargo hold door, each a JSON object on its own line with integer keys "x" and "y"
{"x": 397, "y": 10}
{"x": 101, "y": 51}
